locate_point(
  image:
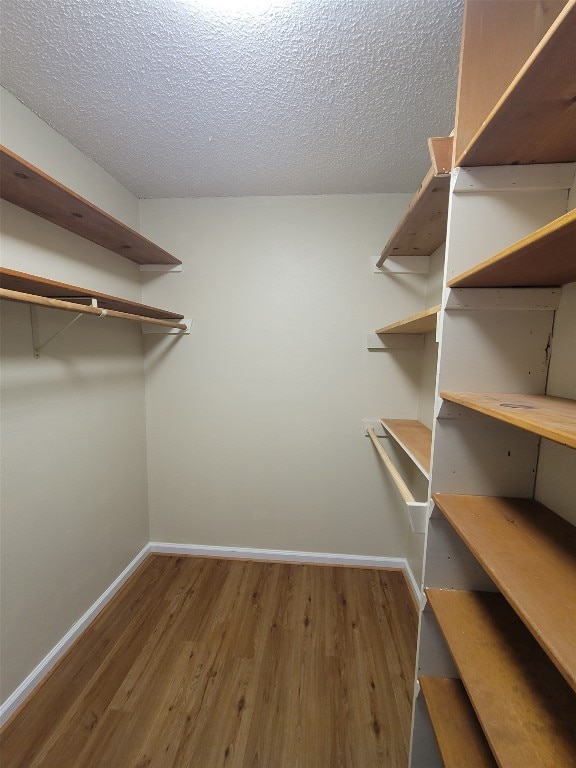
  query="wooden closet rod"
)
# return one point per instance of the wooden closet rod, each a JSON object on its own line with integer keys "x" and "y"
{"x": 70, "y": 306}
{"x": 389, "y": 464}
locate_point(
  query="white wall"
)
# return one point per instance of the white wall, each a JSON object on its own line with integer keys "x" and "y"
{"x": 254, "y": 421}
{"x": 74, "y": 496}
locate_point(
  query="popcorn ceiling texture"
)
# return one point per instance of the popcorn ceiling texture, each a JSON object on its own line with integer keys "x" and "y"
{"x": 174, "y": 99}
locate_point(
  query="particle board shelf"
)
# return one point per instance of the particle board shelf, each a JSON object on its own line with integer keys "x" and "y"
{"x": 525, "y": 708}
{"x": 23, "y": 282}
{"x": 534, "y": 120}
{"x": 530, "y": 554}
{"x": 422, "y": 322}
{"x": 543, "y": 415}
{"x": 414, "y": 438}
{"x": 28, "y": 187}
{"x": 422, "y": 229}
{"x": 544, "y": 258}
{"x": 460, "y": 738}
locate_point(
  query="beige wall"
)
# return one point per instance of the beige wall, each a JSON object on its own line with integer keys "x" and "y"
{"x": 73, "y": 491}
{"x": 254, "y": 421}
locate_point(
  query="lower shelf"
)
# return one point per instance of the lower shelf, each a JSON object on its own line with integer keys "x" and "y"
{"x": 25, "y": 283}
{"x": 524, "y": 705}
{"x": 530, "y": 554}
{"x": 414, "y": 438}
{"x": 460, "y": 738}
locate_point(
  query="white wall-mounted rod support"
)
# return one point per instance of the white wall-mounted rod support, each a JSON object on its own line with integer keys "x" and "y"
{"x": 389, "y": 464}
{"x": 69, "y": 306}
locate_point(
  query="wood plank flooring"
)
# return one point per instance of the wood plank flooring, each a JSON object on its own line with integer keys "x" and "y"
{"x": 205, "y": 663}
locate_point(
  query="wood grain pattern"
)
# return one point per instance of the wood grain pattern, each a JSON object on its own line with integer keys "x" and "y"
{"x": 550, "y": 417}
{"x": 546, "y": 257}
{"x": 215, "y": 663}
{"x": 460, "y": 738}
{"x": 422, "y": 322}
{"x": 422, "y": 229}
{"x": 413, "y": 437}
{"x": 441, "y": 148}
{"x": 28, "y": 187}
{"x": 530, "y": 554}
{"x": 13, "y": 280}
{"x": 526, "y": 709}
{"x": 515, "y": 95}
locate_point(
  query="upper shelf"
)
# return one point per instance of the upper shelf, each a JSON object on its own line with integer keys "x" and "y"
{"x": 414, "y": 438}
{"x": 12, "y": 280}
{"x": 544, "y": 258}
{"x": 530, "y": 554}
{"x": 423, "y": 226}
{"x": 422, "y": 322}
{"x": 524, "y": 705}
{"x": 30, "y": 188}
{"x": 533, "y": 119}
{"x": 550, "y": 417}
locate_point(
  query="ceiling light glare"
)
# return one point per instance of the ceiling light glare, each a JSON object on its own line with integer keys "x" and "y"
{"x": 239, "y": 8}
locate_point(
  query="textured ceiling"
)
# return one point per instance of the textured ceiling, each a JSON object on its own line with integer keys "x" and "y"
{"x": 179, "y": 98}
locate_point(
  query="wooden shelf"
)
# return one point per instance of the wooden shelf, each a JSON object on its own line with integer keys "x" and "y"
{"x": 460, "y": 738}
{"x": 544, "y": 258}
{"x": 30, "y": 188}
{"x": 414, "y": 438}
{"x": 550, "y": 417}
{"x": 41, "y": 286}
{"x": 423, "y": 226}
{"x": 534, "y": 119}
{"x": 525, "y": 708}
{"x": 530, "y": 554}
{"x": 423, "y": 322}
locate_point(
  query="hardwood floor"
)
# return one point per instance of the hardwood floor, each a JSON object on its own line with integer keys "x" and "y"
{"x": 204, "y": 663}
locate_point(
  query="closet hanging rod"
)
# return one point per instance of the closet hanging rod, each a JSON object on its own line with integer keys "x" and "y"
{"x": 389, "y": 464}
{"x": 70, "y": 306}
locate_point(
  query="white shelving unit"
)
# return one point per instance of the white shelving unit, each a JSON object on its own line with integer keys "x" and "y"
{"x": 495, "y": 646}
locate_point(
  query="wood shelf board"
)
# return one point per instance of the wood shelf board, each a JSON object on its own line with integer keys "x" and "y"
{"x": 534, "y": 121}
{"x": 550, "y": 417}
{"x": 544, "y": 258}
{"x": 459, "y": 735}
{"x": 422, "y": 322}
{"x": 441, "y": 149}
{"x": 414, "y": 438}
{"x": 28, "y": 187}
{"x": 530, "y": 554}
{"x": 422, "y": 229}
{"x": 526, "y": 709}
{"x": 41, "y": 286}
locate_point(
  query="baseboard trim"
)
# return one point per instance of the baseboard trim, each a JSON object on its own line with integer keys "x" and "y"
{"x": 413, "y": 584}
{"x": 276, "y": 555}
{"x": 17, "y": 698}
{"x": 289, "y": 556}
{"x": 14, "y": 701}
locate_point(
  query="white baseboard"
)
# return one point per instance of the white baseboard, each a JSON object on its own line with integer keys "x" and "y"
{"x": 35, "y": 677}
{"x": 48, "y": 662}
{"x": 412, "y": 582}
{"x": 288, "y": 556}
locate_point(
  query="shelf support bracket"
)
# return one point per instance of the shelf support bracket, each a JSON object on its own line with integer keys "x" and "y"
{"x": 37, "y": 346}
